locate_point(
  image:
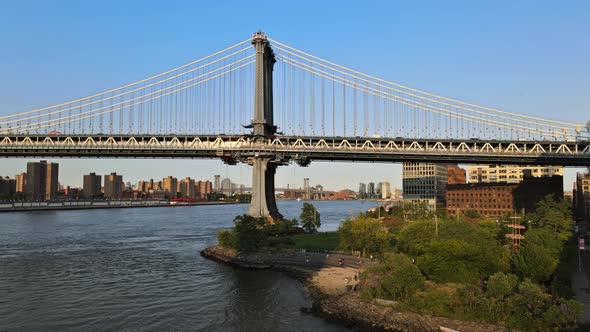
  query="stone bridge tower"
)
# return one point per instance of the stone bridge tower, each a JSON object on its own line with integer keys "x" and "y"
{"x": 263, "y": 166}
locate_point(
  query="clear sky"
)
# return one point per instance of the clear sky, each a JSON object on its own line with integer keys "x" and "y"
{"x": 529, "y": 57}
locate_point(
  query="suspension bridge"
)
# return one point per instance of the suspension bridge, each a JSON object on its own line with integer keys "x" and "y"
{"x": 267, "y": 104}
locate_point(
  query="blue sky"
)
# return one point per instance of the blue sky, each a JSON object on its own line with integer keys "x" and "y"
{"x": 528, "y": 57}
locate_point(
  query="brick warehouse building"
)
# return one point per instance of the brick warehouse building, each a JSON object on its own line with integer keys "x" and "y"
{"x": 497, "y": 199}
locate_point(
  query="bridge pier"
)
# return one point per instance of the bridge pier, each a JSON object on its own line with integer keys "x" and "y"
{"x": 263, "y": 202}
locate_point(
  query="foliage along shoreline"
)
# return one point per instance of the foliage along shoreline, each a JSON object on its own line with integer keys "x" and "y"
{"x": 346, "y": 308}
{"x": 457, "y": 268}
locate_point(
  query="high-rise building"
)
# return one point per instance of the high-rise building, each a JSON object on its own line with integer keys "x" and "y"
{"x": 91, "y": 186}
{"x": 42, "y": 180}
{"x": 362, "y": 191}
{"x": 378, "y": 190}
{"x": 7, "y": 186}
{"x": 226, "y": 187}
{"x": 385, "y": 190}
{"x": 204, "y": 188}
{"x": 21, "y": 182}
{"x": 425, "y": 182}
{"x": 508, "y": 173}
{"x": 217, "y": 184}
{"x": 113, "y": 186}
{"x": 371, "y": 190}
{"x": 170, "y": 184}
{"x": 186, "y": 187}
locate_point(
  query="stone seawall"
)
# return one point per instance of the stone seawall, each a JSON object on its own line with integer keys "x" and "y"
{"x": 339, "y": 304}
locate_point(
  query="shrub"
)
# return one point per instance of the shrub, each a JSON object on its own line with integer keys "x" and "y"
{"x": 501, "y": 285}
{"x": 224, "y": 237}
{"x": 398, "y": 277}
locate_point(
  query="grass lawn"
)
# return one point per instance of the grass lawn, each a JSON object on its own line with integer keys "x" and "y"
{"x": 328, "y": 241}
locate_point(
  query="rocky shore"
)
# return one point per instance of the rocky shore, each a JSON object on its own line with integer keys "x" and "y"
{"x": 329, "y": 286}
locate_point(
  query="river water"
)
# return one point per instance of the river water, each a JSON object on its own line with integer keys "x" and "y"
{"x": 140, "y": 269}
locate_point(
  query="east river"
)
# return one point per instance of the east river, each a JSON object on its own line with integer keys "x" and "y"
{"x": 140, "y": 269}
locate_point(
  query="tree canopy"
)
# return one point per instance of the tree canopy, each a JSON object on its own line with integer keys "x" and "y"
{"x": 365, "y": 234}
{"x": 310, "y": 218}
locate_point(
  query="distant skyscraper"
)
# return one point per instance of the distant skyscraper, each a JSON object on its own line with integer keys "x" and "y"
{"x": 91, "y": 185}
{"x": 226, "y": 186}
{"x": 386, "y": 190}
{"x": 42, "y": 180}
{"x": 371, "y": 190}
{"x": 21, "y": 182}
{"x": 378, "y": 189}
{"x": 217, "y": 184}
{"x": 113, "y": 186}
{"x": 362, "y": 190}
{"x": 187, "y": 187}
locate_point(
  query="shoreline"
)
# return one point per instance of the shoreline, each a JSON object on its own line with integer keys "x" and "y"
{"x": 329, "y": 287}
{"x": 94, "y": 207}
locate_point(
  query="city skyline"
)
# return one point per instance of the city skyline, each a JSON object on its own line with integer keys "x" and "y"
{"x": 75, "y": 180}
{"x": 502, "y": 65}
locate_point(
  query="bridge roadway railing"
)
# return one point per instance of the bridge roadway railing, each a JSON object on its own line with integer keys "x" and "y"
{"x": 238, "y": 147}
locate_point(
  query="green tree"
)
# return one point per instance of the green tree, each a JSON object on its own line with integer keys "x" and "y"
{"x": 472, "y": 214}
{"x": 456, "y": 260}
{"x": 365, "y": 234}
{"x": 397, "y": 278}
{"x": 248, "y": 233}
{"x": 310, "y": 218}
{"x": 501, "y": 285}
{"x": 282, "y": 227}
{"x": 461, "y": 252}
{"x": 224, "y": 237}
{"x": 554, "y": 215}
{"x": 492, "y": 228}
{"x": 414, "y": 237}
{"x": 415, "y": 211}
{"x": 534, "y": 262}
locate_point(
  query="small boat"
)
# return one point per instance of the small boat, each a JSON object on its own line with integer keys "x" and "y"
{"x": 298, "y": 199}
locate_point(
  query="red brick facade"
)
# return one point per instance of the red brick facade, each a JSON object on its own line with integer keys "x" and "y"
{"x": 457, "y": 175}
{"x": 489, "y": 200}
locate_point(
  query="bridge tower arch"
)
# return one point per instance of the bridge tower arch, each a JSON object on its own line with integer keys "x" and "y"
{"x": 264, "y": 166}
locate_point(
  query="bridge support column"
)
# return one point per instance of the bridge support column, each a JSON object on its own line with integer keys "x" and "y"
{"x": 263, "y": 167}
{"x": 263, "y": 202}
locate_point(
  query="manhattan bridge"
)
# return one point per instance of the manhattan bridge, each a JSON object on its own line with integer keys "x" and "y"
{"x": 267, "y": 104}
